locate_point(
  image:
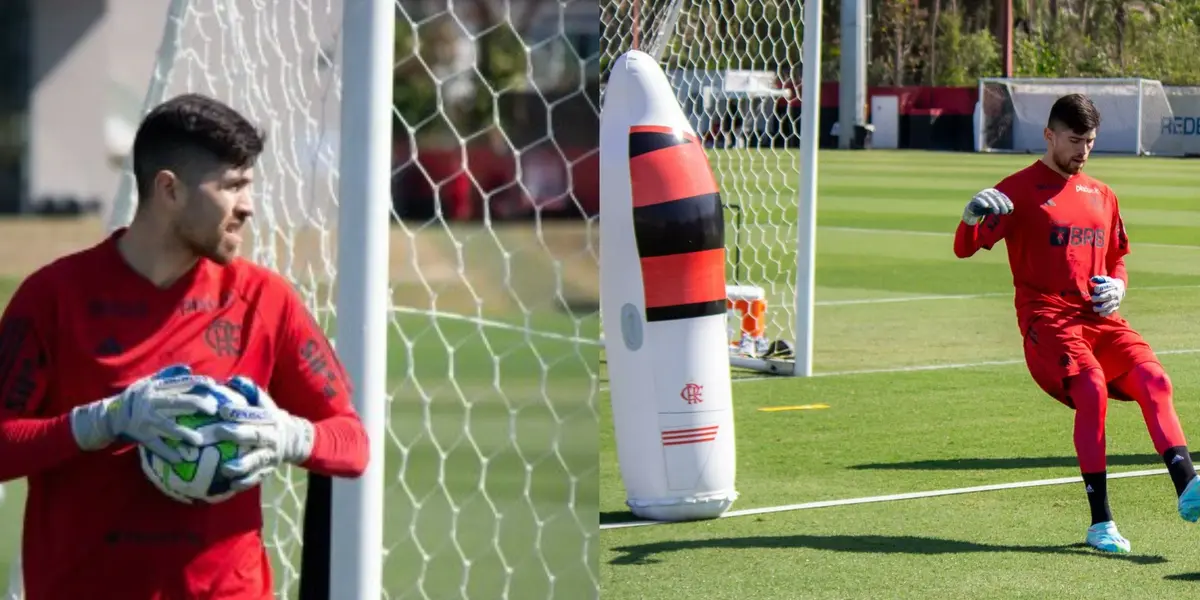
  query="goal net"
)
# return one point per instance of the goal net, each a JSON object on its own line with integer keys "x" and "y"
{"x": 1014, "y": 111}
{"x": 491, "y": 435}
{"x": 736, "y": 71}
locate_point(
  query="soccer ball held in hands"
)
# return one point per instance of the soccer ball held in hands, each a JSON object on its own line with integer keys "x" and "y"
{"x": 199, "y": 476}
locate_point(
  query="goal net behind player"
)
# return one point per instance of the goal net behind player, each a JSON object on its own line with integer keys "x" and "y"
{"x": 1014, "y": 113}
{"x": 736, "y": 69}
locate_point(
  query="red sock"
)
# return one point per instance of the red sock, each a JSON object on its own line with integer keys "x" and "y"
{"x": 1148, "y": 385}
{"x": 1089, "y": 395}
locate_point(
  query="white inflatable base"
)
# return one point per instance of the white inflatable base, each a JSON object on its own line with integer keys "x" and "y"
{"x": 692, "y": 508}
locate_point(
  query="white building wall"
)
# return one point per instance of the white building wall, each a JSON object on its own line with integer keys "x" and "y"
{"x": 92, "y": 61}
{"x": 67, "y": 104}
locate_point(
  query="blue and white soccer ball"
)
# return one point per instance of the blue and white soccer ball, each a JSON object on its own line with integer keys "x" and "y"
{"x": 198, "y": 477}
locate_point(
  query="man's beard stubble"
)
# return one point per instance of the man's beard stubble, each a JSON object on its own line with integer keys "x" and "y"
{"x": 204, "y": 248}
{"x": 216, "y": 252}
{"x": 1067, "y": 167}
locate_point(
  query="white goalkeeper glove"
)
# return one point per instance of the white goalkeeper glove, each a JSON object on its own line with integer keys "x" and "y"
{"x": 145, "y": 413}
{"x": 1107, "y": 293}
{"x": 275, "y": 436}
{"x": 987, "y": 202}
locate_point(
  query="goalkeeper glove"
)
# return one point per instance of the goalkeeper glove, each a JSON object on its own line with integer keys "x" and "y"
{"x": 1107, "y": 293}
{"x": 987, "y": 202}
{"x": 274, "y": 436}
{"x": 144, "y": 413}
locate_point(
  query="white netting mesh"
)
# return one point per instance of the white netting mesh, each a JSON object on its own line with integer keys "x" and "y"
{"x": 735, "y": 67}
{"x": 491, "y": 462}
{"x": 491, "y": 465}
{"x": 1131, "y": 112}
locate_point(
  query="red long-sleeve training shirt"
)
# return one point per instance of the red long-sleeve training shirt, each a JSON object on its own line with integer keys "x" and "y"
{"x": 1061, "y": 232}
{"x": 87, "y": 326}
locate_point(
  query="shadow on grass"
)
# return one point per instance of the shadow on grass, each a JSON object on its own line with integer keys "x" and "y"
{"x": 642, "y": 554}
{"x": 579, "y": 306}
{"x": 617, "y": 516}
{"x": 1183, "y": 577}
{"x": 983, "y": 464}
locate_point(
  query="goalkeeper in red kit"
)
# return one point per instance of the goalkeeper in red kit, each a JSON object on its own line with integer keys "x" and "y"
{"x": 82, "y": 339}
{"x": 1066, "y": 246}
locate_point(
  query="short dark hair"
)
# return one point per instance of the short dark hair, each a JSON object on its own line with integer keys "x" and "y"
{"x": 191, "y": 134}
{"x": 1075, "y": 112}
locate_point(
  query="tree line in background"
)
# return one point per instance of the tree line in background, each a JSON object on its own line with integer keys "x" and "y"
{"x": 935, "y": 42}
{"x": 426, "y": 76}
{"x": 488, "y": 70}
{"x": 911, "y": 42}
{"x": 953, "y": 42}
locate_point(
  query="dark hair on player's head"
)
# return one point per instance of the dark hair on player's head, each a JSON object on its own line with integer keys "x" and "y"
{"x": 1075, "y": 112}
{"x": 191, "y": 135}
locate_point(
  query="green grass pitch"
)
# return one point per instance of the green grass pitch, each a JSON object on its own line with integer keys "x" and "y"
{"x": 885, "y": 220}
{"x": 885, "y": 233}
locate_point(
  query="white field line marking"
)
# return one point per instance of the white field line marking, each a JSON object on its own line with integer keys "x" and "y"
{"x": 893, "y": 497}
{"x": 940, "y": 367}
{"x": 851, "y": 302}
{"x": 951, "y": 234}
{"x": 857, "y": 301}
{"x": 489, "y": 323}
{"x": 892, "y": 231}
{"x": 916, "y": 368}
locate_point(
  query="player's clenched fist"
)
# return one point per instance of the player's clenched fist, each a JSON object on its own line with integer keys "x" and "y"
{"x": 987, "y": 202}
{"x": 1107, "y": 293}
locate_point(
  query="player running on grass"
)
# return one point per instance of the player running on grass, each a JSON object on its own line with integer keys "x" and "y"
{"x": 79, "y": 344}
{"x": 1066, "y": 246}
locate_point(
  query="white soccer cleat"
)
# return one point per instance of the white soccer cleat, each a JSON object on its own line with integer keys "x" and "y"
{"x": 1105, "y": 538}
{"x": 1189, "y": 501}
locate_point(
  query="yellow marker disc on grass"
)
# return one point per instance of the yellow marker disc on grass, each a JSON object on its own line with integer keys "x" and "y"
{"x": 800, "y": 407}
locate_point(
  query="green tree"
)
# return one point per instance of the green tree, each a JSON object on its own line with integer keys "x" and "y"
{"x": 965, "y": 57}
{"x": 414, "y": 91}
{"x": 942, "y": 42}
{"x": 738, "y": 34}
{"x": 425, "y": 53}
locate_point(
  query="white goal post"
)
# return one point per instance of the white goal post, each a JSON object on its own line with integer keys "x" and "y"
{"x": 1013, "y": 113}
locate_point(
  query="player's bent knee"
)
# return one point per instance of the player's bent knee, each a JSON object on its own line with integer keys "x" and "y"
{"x": 1093, "y": 379}
{"x": 1087, "y": 390}
{"x": 1153, "y": 379}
